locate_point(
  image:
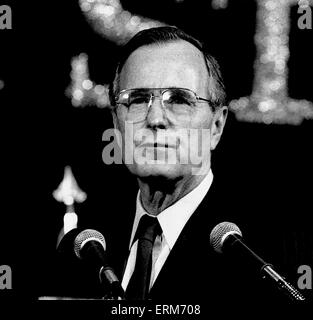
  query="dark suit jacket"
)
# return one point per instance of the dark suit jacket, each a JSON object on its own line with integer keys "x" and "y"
{"x": 193, "y": 271}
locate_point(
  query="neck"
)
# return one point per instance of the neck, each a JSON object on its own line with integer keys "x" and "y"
{"x": 158, "y": 193}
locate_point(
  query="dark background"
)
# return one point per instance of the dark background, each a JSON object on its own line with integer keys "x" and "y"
{"x": 42, "y": 132}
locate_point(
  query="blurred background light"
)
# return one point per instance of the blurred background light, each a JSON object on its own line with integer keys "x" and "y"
{"x": 219, "y": 4}
{"x": 82, "y": 90}
{"x": 113, "y": 22}
{"x": 269, "y": 100}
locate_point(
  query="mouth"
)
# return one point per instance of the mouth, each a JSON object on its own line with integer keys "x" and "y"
{"x": 157, "y": 145}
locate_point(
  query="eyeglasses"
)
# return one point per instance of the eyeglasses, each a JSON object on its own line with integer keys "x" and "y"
{"x": 177, "y": 102}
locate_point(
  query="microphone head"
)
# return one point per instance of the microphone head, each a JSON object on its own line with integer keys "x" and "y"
{"x": 220, "y": 232}
{"x": 86, "y": 236}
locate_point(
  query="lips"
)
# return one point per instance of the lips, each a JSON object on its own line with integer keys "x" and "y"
{"x": 156, "y": 145}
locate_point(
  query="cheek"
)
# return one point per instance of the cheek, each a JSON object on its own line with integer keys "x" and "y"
{"x": 123, "y": 126}
{"x": 199, "y": 140}
{"x": 195, "y": 145}
{"x": 121, "y": 114}
{"x": 203, "y": 120}
{"x": 132, "y": 134}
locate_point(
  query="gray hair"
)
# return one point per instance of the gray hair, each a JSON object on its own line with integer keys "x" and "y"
{"x": 161, "y": 35}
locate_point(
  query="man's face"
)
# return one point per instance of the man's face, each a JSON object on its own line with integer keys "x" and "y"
{"x": 162, "y": 144}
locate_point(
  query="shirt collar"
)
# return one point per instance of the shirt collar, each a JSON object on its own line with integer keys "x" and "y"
{"x": 174, "y": 218}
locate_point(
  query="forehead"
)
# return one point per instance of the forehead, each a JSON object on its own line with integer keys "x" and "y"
{"x": 173, "y": 64}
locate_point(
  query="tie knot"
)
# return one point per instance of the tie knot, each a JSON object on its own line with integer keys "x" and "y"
{"x": 148, "y": 228}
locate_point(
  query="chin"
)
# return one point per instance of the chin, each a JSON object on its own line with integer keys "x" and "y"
{"x": 166, "y": 171}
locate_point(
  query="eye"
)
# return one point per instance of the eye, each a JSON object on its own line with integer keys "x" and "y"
{"x": 139, "y": 98}
{"x": 178, "y": 97}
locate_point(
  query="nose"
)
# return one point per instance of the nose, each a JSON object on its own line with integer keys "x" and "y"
{"x": 156, "y": 117}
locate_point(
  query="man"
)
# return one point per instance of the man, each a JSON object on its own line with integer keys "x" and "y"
{"x": 168, "y": 103}
{"x": 170, "y": 92}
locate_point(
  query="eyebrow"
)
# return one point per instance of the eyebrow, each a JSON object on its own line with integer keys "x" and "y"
{"x": 155, "y": 88}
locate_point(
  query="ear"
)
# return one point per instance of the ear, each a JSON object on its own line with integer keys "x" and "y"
{"x": 218, "y": 123}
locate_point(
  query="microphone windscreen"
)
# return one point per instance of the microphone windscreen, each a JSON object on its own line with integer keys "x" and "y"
{"x": 220, "y": 232}
{"x": 86, "y": 236}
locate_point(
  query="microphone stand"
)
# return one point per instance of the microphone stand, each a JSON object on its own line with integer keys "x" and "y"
{"x": 116, "y": 292}
{"x": 283, "y": 285}
{"x": 267, "y": 271}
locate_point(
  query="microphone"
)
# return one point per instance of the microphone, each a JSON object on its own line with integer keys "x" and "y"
{"x": 90, "y": 245}
{"x": 226, "y": 238}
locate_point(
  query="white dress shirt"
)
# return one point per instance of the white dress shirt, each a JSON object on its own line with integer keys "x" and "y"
{"x": 172, "y": 220}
